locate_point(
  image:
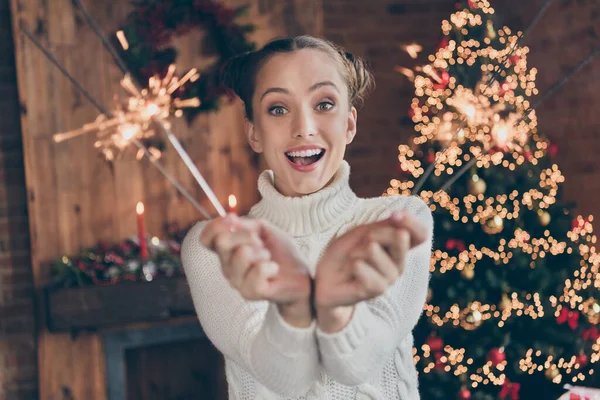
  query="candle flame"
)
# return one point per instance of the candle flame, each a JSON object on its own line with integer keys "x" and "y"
{"x": 232, "y": 201}
{"x": 139, "y": 208}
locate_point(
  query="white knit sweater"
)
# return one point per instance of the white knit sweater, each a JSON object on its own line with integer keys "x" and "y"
{"x": 268, "y": 359}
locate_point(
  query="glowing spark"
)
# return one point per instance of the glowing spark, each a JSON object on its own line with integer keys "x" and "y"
{"x": 413, "y": 49}
{"x": 134, "y": 118}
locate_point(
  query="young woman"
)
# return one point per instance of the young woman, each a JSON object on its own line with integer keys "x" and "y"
{"x": 315, "y": 293}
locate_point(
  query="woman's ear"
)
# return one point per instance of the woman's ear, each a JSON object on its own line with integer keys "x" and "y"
{"x": 253, "y": 137}
{"x": 351, "y": 130}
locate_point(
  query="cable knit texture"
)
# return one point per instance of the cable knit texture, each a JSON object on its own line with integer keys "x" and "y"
{"x": 266, "y": 358}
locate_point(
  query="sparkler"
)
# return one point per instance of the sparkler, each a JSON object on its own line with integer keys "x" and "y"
{"x": 134, "y": 118}
{"x": 107, "y": 114}
{"x": 144, "y": 107}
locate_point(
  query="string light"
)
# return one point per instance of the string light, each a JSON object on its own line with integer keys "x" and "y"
{"x": 491, "y": 122}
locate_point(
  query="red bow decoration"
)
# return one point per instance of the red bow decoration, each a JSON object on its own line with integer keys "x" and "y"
{"x": 570, "y": 317}
{"x": 591, "y": 333}
{"x": 455, "y": 244}
{"x": 510, "y": 389}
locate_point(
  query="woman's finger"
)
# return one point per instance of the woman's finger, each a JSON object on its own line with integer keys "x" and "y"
{"x": 369, "y": 282}
{"x": 225, "y": 242}
{"x": 400, "y": 250}
{"x": 380, "y": 260}
{"x": 256, "y": 285}
{"x": 418, "y": 232}
{"x": 382, "y": 234}
{"x": 215, "y": 228}
{"x": 241, "y": 260}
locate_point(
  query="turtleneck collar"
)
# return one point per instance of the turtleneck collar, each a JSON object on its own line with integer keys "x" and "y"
{"x": 301, "y": 216}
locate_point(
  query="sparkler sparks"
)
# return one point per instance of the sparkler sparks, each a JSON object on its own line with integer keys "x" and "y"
{"x": 133, "y": 118}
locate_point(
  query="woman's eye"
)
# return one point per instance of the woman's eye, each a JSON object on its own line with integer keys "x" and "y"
{"x": 277, "y": 110}
{"x": 325, "y": 106}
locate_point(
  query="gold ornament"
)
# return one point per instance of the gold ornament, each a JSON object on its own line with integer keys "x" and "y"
{"x": 476, "y": 185}
{"x": 552, "y": 373}
{"x": 505, "y": 303}
{"x": 591, "y": 308}
{"x": 493, "y": 225}
{"x": 429, "y": 294}
{"x": 468, "y": 273}
{"x": 470, "y": 319}
{"x": 544, "y": 217}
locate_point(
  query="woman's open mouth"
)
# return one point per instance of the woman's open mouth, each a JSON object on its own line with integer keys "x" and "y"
{"x": 305, "y": 160}
{"x": 305, "y": 157}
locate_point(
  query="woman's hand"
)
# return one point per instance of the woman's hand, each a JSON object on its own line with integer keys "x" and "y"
{"x": 361, "y": 265}
{"x": 262, "y": 263}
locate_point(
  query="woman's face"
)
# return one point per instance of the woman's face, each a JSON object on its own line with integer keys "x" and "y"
{"x": 302, "y": 120}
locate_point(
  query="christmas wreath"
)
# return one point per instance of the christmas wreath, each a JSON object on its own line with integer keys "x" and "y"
{"x": 146, "y": 36}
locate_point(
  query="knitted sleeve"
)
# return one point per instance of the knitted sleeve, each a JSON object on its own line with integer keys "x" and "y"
{"x": 281, "y": 357}
{"x": 357, "y": 353}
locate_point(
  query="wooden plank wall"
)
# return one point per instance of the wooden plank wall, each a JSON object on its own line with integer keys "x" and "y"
{"x": 75, "y": 198}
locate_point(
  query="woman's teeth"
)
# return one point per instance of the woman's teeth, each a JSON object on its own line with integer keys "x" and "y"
{"x": 305, "y": 153}
{"x": 305, "y": 157}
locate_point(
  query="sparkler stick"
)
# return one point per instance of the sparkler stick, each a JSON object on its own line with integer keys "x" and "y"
{"x": 193, "y": 169}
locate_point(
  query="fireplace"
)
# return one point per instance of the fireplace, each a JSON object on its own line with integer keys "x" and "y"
{"x": 175, "y": 362}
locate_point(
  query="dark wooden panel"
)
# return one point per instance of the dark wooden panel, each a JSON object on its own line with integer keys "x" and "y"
{"x": 100, "y": 307}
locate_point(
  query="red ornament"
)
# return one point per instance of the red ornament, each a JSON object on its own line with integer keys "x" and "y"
{"x": 439, "y": 365}
{"x": 582, "y": 360}
{"x": 457, "y": 244}
{"x": 528, "y": 155}
{"x": 435, "y": 343}
{"x": 472, "y": 4}
{"x": 496, "y": 356}
{"x": 464, "y": 394}
{"x": 510, "y": 390}
{"x": 568, "y": 316}
{"x": 411, "y": 112}
{"x": 444, "y": 42}
{"x": 553, "y": 150}
{"x": 514, "y": 59}
{"x": 430, "y": 157}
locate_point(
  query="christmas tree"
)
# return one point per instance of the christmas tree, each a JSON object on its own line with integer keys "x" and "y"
{"x": 512, "y": 309}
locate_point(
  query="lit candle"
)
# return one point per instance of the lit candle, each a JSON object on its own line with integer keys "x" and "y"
{"x": 232, "y": 204}
{"x": 141, "y": 230}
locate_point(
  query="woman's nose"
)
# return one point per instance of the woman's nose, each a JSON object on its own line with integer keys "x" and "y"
{"x": 305, "y": 125}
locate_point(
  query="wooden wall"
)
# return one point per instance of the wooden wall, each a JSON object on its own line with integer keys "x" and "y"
{"x": 75, "y": 198}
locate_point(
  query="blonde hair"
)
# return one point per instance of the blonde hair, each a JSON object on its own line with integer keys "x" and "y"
{"x": 239, "y": 73}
